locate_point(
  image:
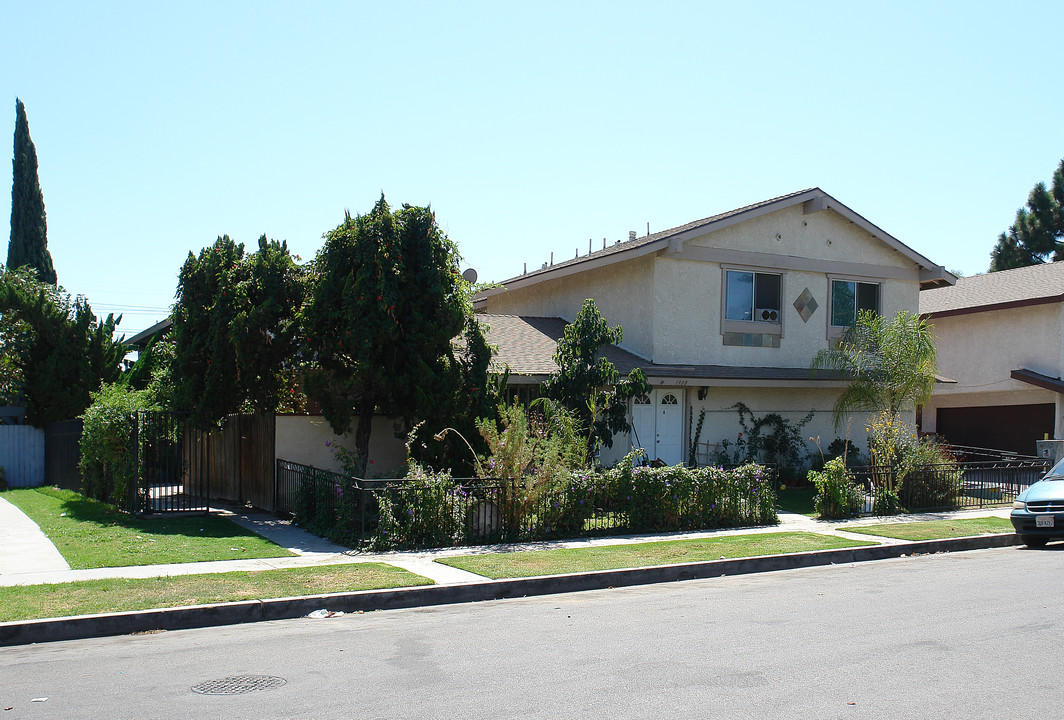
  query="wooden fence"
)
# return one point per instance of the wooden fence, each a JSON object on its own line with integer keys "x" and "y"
{"x": 22, "y": 455}
{"x": 241, "y": 460}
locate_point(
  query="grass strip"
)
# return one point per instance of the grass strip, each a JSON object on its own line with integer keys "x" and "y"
{"x": 610, "y": 557}
{"x": 936, "y": 529}
{"x": 91, "y": 534}
{"x": 28, "y": 602}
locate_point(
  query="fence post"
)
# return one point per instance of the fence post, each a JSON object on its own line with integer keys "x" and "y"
{"x": 362, "y": 510}
{"x": 134, "y": 484}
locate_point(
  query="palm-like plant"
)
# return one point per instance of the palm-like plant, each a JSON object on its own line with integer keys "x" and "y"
{"x": 890, "y": 363}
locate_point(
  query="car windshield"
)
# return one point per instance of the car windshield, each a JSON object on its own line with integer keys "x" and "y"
{"x": 1057, "y": 470}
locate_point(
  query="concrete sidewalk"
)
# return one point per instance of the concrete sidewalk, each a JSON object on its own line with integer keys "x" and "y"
{"x": 25, "y": 547}
{"x": 452, "y": 585}
{"x": 42, "y": 564}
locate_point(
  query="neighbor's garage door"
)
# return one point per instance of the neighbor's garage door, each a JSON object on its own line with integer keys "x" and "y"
{"x": 1002, "y": 427}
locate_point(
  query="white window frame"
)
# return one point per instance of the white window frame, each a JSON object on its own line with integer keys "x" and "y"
{"x": 763, "y": 327}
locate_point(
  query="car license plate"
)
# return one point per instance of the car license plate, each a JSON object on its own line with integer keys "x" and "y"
{"x": 1043, "y": 521}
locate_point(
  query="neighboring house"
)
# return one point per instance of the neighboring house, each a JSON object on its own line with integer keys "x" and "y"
{"x": 723, "y": 310}
{"x": 1001, "y": 337}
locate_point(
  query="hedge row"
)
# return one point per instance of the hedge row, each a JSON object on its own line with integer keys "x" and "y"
{"x": 436, "y": 510}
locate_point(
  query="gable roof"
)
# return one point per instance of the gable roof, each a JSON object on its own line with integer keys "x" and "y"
{"x": 526, "y": 345}
{"x": 1020, "y": 287}
{"x": 815, "y": 199}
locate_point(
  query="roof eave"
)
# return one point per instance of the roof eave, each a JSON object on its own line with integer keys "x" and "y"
{"x": 813, "y": 200}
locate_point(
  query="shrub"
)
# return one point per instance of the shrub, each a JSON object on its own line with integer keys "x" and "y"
{"x": 537, "y": 449}
{"x": 836, "y": 494}
{"x": 433, "y": 510}
{"x": 568, "y": 506}
{"x": 932, "y": 479}
{"x": 425, "y": 510}
{"x": 910, "y": 472}
{"x": 327, "y": 505}
{"x": 678, "y": 498}
{"x": 770, "y": 439}
{"x": 108, "y": 453}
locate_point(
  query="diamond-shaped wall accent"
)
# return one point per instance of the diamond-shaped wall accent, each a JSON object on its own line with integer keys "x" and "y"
{"x": 806, "y": 305}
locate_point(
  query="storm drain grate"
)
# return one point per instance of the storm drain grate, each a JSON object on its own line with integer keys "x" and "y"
{"x": 238, "y": 685}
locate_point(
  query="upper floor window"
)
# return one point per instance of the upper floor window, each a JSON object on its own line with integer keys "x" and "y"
{"x": 752, "y": 296}
{"x": 848, "y": 297}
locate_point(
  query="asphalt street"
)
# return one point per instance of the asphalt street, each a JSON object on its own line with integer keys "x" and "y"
{"x": 959, "y": 635}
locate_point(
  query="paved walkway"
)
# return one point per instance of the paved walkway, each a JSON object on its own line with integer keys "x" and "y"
{"x": 23, "y": 547}
{"x": 29, "y": 558}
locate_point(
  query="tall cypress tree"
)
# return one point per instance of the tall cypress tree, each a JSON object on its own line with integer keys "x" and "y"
{"x": 29, "y": 231}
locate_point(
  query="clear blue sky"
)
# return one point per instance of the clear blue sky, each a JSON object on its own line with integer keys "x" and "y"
{"x": 529, "y": 128}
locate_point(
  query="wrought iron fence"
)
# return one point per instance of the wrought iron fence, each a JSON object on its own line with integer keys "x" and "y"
{"x": 424, "y": 512}
{"x": 173, "y": 459}
{"x": 953, "y": 486}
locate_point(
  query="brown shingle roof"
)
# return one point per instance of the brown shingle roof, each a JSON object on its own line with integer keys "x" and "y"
{"x": 997, "y": 290}
{"x": 527, "y": 344}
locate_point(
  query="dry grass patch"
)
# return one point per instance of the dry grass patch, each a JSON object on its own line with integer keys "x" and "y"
{"x": 936, "y": 529}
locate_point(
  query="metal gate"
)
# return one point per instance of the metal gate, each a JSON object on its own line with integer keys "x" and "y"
{"x": 173, "y": 454}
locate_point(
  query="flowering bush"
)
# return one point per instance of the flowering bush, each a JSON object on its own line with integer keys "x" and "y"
{"x": 425, "y": 510}
{"x": 836, "y": 494}
{"x": 678, "y": 498}
{"x": 568, "y": 506}
{"x": 909, "y": 471}
{"x": 432, "y": 509}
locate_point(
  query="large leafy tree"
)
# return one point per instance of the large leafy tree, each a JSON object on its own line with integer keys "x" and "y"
{"x": 1037, "y": 235}
{"x": 235, "y": 332}
{"x": 387, "y": 304}
{"x": 890, "y": 364}
{"x": 59, "y": 351}
{"x": 29, "y": 232}
{"x": 588, "y": 384}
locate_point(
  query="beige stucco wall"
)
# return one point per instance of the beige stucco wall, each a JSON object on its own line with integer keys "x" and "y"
{"x": 980, "y": 350}
{"x": 687, "y": 315}
{"x": 823, "y": 235}
{"x": 301, "y": 439}
{"x": 722, "y": 418}
{"x": 670, "y": 305}
{"x": 622, "y": 291}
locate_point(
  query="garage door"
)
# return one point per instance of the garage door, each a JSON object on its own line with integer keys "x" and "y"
{"x": 1003, "y": 427}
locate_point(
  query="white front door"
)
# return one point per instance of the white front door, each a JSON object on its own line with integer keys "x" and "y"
{"x": 657, "y": 420}
{"x": 668, "y": 438}
{"x": 643, "y": 423}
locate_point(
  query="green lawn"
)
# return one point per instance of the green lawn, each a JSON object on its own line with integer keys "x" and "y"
{"x": 797, "y": 500}
{"x": 90, "y": 534}
{"x": 936, "y": 529}
{"x": 97, "y": 596}
{"x": 609, "y": 557}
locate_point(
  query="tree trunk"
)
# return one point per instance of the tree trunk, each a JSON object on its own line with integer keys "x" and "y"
{"x": 362, "y": 433}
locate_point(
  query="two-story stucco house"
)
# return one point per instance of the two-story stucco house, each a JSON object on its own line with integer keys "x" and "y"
{"x": 1001, "y": 337}
{"x": 728, "y": 309}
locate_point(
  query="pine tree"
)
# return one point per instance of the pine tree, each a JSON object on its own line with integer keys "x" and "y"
{"x": 1037, "y": 235}
{"x": 29, "y": 231}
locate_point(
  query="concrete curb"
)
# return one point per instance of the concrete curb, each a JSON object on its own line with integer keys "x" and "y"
{"x": 24, "y": 632}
